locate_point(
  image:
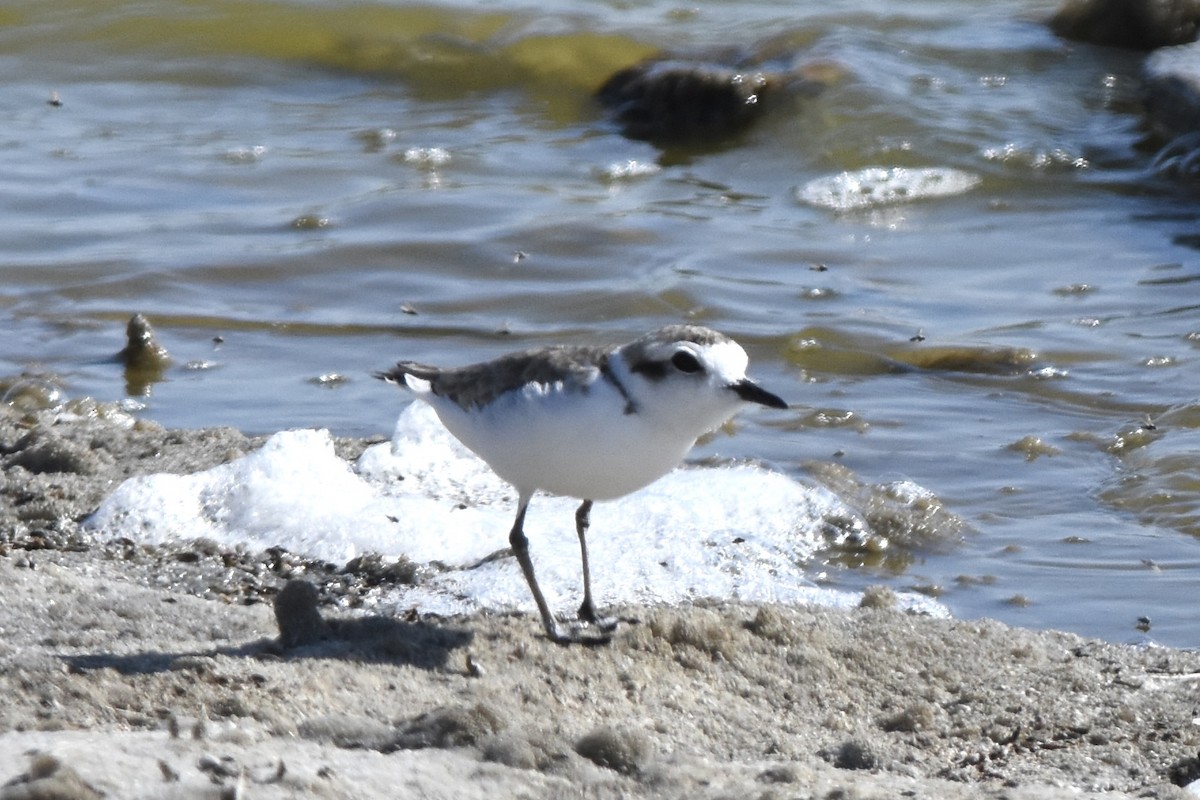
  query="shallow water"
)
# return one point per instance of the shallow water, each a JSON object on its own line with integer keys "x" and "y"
{"x": 279, "y": 186}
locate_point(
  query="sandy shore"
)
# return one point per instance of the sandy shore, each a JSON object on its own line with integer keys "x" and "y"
{"x": 135, "y": 672}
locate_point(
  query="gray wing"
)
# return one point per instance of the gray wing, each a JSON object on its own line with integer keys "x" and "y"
{"x": 479, "y": 384}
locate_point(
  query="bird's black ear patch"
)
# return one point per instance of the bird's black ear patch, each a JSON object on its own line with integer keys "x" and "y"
{"x": 652, "y": 370}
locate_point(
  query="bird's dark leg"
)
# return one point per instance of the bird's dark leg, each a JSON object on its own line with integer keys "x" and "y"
{"x": 520, "y": 548}
{"x": 587, "y": 610}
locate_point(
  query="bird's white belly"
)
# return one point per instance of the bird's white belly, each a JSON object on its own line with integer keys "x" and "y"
{"x": 570, "y": 443}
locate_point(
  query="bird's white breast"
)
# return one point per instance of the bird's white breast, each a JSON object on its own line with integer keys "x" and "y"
{"x": 578, "y": 442}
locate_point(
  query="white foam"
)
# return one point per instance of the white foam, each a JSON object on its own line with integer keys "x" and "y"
{"x": 627, "y": 170}
{"x": 881, "y": 186}
{"x": 428, "y": 157}
{"x": 731, "y": 532}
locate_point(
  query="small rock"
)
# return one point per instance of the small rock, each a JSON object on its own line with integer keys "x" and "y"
{"x": 1185, "y": 771}
{"x": 300, "y": 622}
{"x": 680, "y": 101}
{"x": 348, "y": 731}
{"x": 625, "y": 751}
{"x": 144, "y": 358}
{"x": 878, "y": 596}
{"x": 514, "y": 751}
{"x": 855, "y": 755}
{"x": 448, "y": 727}
{"x": 783, "y": 773}
{"x": 48, "y": 779}
{"x": 142, "y": 350}
{"x": 917, "y": 717}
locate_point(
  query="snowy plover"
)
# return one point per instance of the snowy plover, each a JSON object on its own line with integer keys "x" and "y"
{"x": 590, "y": 422}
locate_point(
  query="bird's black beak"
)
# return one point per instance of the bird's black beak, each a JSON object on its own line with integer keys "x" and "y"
{"x": 751, "y": 392}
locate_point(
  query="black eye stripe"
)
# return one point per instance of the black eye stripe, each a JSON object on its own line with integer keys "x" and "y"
{"x": 655, "y": 370}
{"x": 685, "y": 362}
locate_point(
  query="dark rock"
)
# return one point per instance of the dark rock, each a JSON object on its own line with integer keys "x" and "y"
{"x": 666, "y": 100}
{"x": 1172, "y": 90}
{"x": 625, "y": 751}
{"x": 1135, "y": 24}
{"x": 1185, "y": 771}
{"x": 296, "y": 613}
{"x": 854, "y": 755}
{"x": 144, "y": 358}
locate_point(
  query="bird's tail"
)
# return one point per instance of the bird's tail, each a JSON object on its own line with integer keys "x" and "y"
{"x": 404, "y": 370}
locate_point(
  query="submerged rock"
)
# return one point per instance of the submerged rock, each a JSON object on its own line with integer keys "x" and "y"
{"x": 1136, "y": 24}
{"x": 1171, "y": 74}
{"x": 981, "y": 360}
{"x": 672, "y": 100}
{"x": 677, "y": 100}
{"x": 1172, "y": 96}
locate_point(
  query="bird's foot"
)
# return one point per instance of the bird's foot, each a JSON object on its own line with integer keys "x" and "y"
{"x": 581, "y": 633}
{"x": 589, "y": 629}
{"x": 588, "y": 615}
{"x": 602, "y": 624}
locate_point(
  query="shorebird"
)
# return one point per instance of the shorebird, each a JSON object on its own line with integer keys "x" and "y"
{"x": 589, "y": 422}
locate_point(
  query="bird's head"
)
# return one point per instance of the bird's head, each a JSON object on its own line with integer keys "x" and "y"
{"x": 693, "y": 376}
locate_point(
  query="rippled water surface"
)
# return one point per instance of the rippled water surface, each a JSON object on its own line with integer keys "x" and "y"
{"x": 298, "y": 193}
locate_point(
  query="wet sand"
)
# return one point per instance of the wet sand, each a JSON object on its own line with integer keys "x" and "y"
{"x": 130, "y": 671}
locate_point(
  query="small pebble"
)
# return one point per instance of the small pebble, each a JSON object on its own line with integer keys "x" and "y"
{"x": 296, "y": 613}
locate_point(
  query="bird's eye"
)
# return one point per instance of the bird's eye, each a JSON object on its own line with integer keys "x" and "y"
{"x": 685, "y": 362}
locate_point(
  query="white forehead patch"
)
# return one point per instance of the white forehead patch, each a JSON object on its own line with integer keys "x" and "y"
{"x": 728, "y": 360}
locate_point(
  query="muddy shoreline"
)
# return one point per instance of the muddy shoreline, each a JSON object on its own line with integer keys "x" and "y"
{"x": 137, "y": 671}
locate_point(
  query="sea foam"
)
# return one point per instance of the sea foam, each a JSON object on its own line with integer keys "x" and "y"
{"x": 738, "y": 531}
{"x": 884, "y": 186}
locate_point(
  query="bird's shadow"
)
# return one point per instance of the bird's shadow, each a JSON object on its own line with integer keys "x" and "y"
{"x": 368, "y": 640}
